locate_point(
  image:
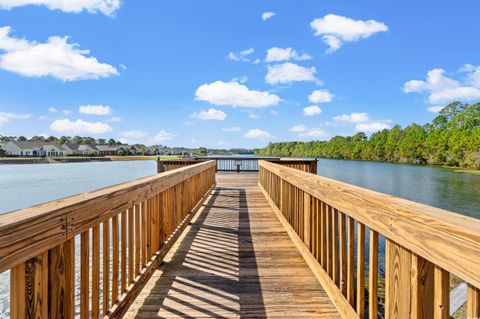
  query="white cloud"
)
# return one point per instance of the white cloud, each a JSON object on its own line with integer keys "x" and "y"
{"x": 371, "y": 127}
{"x": 56, "y": 58}
{"x": 221, "y": 143}
{"x": 242, "y": 56}
{"x": 67, "y": 112}
{"x": 267, "y": 15}
{"x": 253, "y": 115}
{"x": 290, "y": 72}
{"x": 95, "y": 109}
{"x": 313, "y": 132}
{"x": 274, "y": 113}
{"x": 320, "y": 96}
{"x": 5, "y": 117}
{"x": 52, "y": 110}
{"x": 352, "y": 118}
{"x": 115, "y": 119}
{"x": 163, "y": 136}
{"x": 442, "y": 89}
{"x": 79, "y": 127}
{"x": 279, "y": 54}
{"x": 133, "y": 134}
{"x": 434, "y": 109}
{"x": 298, "y": 128}
{"x": 240, "y": 79}
{"x": 231, "y": 129}
{"x": 234, "y": 94}
{"x": 42, "y": 117}
{"x": 258, "y": 134}
{"x": 211, "y": 114}
{"x": 335, "y": 30}
{"x": 107, "y": 7}
{"x": 312, "y": 110}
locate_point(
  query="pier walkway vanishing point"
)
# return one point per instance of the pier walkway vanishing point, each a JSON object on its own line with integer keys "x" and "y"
{"x": 280, "y": 242}
{"x": 235, "y": 259}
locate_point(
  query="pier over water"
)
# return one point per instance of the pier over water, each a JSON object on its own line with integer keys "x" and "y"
{"x": 192, "y": 242}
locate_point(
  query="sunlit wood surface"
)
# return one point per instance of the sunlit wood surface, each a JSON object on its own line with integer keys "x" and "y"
{"x": 234, "y": 260}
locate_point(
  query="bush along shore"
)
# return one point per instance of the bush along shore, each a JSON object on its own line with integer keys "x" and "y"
{"x": 451, "y": 139}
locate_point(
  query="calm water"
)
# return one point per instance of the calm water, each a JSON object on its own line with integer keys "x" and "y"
{"x": 26, "y": 185}
{"x": 435, "y": 186}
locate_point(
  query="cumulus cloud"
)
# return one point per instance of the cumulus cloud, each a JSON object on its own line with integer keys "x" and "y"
{"x": 56, "y": 58}
{"x": 442, "y": 89}
{"x": 234, "y": 94}
{"x": 52, "y": 110}
{"x": 335, "y": 30}
{"x": 107, "y": 7}
{"x": 79, "y": 127}
{"x": 115, "y": 119}
{"x": 289, "y": 72}
{"x": 267, "y": 15}
{"x": 298, "y": 128}
{"x": 434, "y": 109}
{"x": 352, "y": 118}
{"x": 231, "y": 129}
{"x": 257, "y": 134}
{"x": 211, "y": 114}
{"x": 5, "y": 117}
{"x": 313, "y": 132}
{"x": 95, "y": 109}
{"x": 320, "y": 96}
{"x": 243, "y": 56}
{"x": 371, "y": 127}
{"x": 312, "y": 110}
{"x": 163, "y": 136}
{"x": 133, "y": 134}
{"x": 284, "y": 54}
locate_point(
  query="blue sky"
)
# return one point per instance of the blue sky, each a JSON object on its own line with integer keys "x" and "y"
{"x": 228, "y": 74}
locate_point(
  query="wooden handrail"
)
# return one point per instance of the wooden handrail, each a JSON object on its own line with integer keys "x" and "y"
{"x": 144, "y": 216}
{"x": 424, "y": 245}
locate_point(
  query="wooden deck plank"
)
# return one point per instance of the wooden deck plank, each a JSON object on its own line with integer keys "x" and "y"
{"x": 234, "y": 260}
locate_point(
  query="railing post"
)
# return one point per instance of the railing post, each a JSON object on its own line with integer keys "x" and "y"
{"x": 160, "y": 167}
{"x": 29, "y": 288}
{"x": 61, "y": 282}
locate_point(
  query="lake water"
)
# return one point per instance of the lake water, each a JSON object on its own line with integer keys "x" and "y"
{"x": 26, "y": 185}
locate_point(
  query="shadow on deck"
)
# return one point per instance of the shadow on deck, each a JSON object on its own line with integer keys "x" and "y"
{"x": 234, "y": 260}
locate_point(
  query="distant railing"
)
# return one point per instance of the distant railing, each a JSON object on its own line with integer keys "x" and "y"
{"x": 240, "y": 164}
{"x": 124, "y": 231}
{"x": 331, "y": 222}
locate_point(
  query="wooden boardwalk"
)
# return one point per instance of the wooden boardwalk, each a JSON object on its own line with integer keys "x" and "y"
{"x": 234, "y": 260}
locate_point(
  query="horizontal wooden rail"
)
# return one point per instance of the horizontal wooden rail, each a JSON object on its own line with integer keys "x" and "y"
{"x": 124, "y": 232}
{"x": 330, "y": 220}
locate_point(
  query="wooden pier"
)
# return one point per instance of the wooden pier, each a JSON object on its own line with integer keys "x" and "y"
{"x": 193, "y": 243}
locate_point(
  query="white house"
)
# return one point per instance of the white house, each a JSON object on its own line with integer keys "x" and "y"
{"x": 80, "y": 149}
{"x": 26, "y": 148}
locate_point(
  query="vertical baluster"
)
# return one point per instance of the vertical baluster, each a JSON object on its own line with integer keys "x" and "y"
{"x": 373, "y": 276}
{"x": 350, "y": 261}
{"x": 442, "y": 293}
{"x": 96, "y": 271}
{"x": 131, "y": 244}
{"x": 335, "y": 245}
{"x": 343, "y": 255}
{"x": 137, "y": 239}
{"x": 473, "y": 302}
{"x": 123, "y": 256}
{"x": 115, "y": 259}
{"x": 106, "y": 267}
{"x": 422, "y": 287}
{"x": 361, "y": 270}
{"x": 323, "y": 235}
{"x": 61, "y": 280}
{"x": 144, "y": 234}
{"x": 84, "y": 274}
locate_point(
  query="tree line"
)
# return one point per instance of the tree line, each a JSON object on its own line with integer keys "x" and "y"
{"x": 451, "y": 139}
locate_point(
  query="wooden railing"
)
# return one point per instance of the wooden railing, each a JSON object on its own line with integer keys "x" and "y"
{"x": 122, "y": 232}
{"x": 240, "y": 164}
{"x": 337, "y": 228}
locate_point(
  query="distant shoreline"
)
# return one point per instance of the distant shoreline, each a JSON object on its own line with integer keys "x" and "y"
{"x": 72, "y": 159}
